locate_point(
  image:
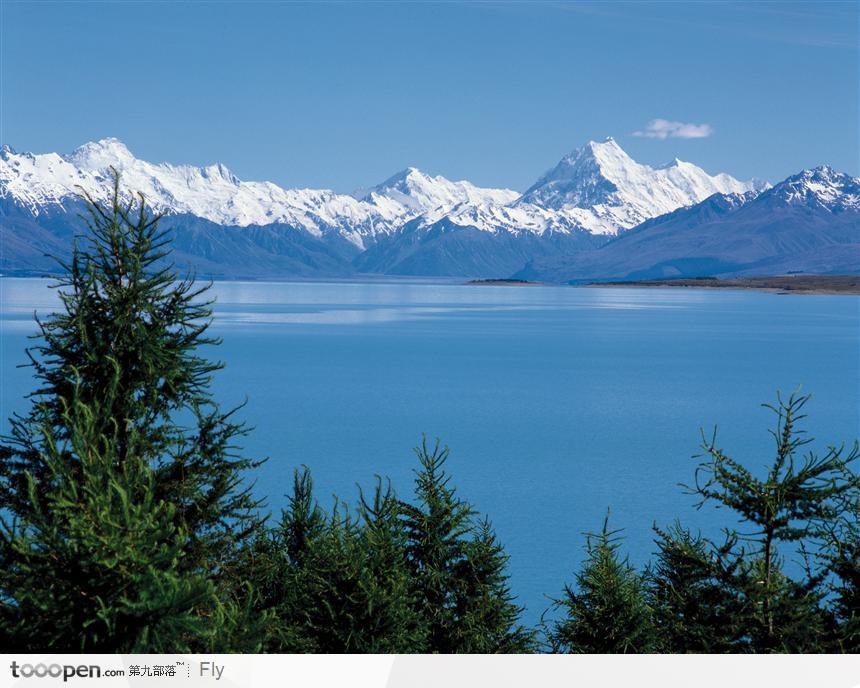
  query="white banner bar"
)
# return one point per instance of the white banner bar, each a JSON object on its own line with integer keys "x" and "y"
{"x": 432, "y": 671}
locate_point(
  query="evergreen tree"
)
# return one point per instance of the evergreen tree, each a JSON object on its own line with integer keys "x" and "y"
{"x": 391, "y": 606}
{"x": 796, "y": 502}
{"x": 486, "y": 607}
{"x": 457, "y": 568}
{"x": 95, "y": 567}
{"x": 277, "y": 562}
{"x": 840, "y": 553}
{"x": 694, "y": 611}
{"x": 124, "y": 460}
{"x": 606, "y": 611}
{"x": 338, "y": 583}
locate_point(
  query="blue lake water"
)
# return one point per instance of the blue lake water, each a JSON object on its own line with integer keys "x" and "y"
{"x": 558, "y": 403}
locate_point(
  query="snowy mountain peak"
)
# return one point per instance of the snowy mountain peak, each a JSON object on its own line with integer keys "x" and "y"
{"x": 607, "y": 190}
{"x": 606, "y": 150}
{"x": 597, "y": 189}
{"x": 823, "y": 174}
{"x": 419, "y": 192}
{"x": 406, "y": 181}
{"x": 100, "y": 155}
{"x": 735, "y": 200}
{"x": 606, "y": 153}
{"x": 214, "y": 193}
{"x": 819, "y": 187}
{"x": 577, "y": 180}
{"x": 220, "y": 172}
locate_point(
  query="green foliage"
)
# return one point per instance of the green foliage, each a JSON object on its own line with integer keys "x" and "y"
{"x": 794, "y": 503}
{"x": 337, "y": 582}
{"x": 840, "y": 554}
{"x": 392, "y": 610}
{"x": 694, "y": 612}
{"x": 96, "y": 566}
{"x": 606, "y": 611}
{"x": 119, "y": 518}
{"x": 393, "y": 577}
{"x": 457, "y": 568}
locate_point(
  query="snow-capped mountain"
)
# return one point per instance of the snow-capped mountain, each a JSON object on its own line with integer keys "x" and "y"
{"x": 604, "y": 190}
{"x": 819, "y": 188}
{"x": 598, "y": 188}
{"x": 412, "y": 223}
{"x": 591, "y": 195}
{"x": 413, "y": 189}
{"x": 809, "y": 222}
{"x": 214, "y": 193}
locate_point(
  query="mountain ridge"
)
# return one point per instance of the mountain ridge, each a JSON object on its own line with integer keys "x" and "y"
{"x": 214, "y": 193}
{"x": 412, "y": 223}
{"x": 809, "y": 222}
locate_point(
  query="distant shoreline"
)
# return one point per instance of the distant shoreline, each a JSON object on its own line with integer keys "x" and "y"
{"x": 501, "y": 282}
{"x": 788, "y": 284}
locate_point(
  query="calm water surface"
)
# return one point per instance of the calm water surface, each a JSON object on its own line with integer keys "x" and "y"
{"x": 558, "y": 403}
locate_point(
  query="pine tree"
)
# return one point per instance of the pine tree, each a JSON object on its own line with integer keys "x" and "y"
{"x": 606, "y": 611}
{"x": 486, "y": 606}
{"x": 339, "y": 583}
{"x": 390, "y": 603}
{"x": 277, "y": 562}
{"x": 840, "y": 554}
{"x": 99, "y": 533}
{"x": 796, "y": 502}
{"x": 124, "y": 460}
{"x": 457, "y": 567}
{"x": 694, "y": 611}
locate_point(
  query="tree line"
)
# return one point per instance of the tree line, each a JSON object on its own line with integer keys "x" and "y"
{"x": 128, "y": 522}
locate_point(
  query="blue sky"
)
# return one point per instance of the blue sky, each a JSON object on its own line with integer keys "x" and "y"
{"x": 343, "y": 95}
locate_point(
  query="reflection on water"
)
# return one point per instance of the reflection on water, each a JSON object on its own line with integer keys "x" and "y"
{"x": 328, "y": 303}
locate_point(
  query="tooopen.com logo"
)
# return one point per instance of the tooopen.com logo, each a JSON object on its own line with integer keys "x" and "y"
{"x": 64, "y": 671}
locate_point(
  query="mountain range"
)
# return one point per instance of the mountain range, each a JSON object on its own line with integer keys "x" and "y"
{"x": 809, "y": 223}
{"x": 597, "y": 214}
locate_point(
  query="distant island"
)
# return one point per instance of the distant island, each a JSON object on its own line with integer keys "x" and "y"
{"x": 805, "y": 284}
{"x": 499, "y": 282}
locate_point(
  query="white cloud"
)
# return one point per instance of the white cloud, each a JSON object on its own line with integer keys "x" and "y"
{"x": 666, "y": 129}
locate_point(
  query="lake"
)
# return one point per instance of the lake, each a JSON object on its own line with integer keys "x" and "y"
{"x": 558, "y": 403}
